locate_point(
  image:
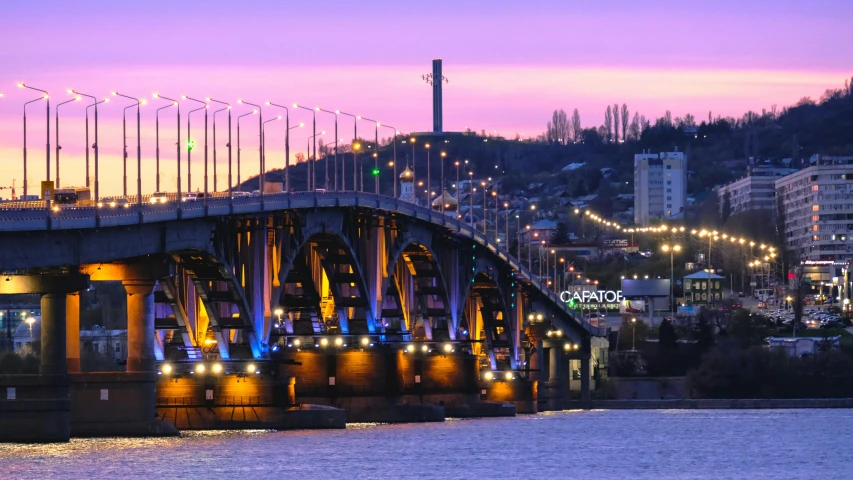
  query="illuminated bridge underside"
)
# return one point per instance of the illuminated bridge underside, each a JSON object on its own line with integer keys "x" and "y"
{"x": 251, "y": 272}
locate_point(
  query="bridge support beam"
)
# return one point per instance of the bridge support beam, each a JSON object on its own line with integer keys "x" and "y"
{"x": 140, "y": 325}
{"x": 37, "y": 407}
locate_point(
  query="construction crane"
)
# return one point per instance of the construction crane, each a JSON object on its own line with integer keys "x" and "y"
{"x": 11, "y": 188}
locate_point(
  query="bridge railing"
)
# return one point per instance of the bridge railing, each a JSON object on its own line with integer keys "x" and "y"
{"x": 73, "y": 217}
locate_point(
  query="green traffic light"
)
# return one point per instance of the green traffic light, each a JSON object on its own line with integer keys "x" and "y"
{"x": 190, "y": 144}
{"x": 375, "y": 172}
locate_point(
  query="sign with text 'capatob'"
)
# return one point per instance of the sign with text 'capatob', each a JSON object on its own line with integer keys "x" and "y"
{"x": 585, "y": 297}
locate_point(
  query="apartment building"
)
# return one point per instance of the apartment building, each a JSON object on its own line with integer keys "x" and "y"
{"x": 660, "y": 183}
{"x": 755, "y": 191}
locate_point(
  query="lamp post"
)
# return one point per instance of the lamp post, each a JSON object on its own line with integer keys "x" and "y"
{"x": 429, "y": 178}
{"x": 87, "y": 137}
{"x": 633, "y": 334}
{"x": 205, "y": 106}
{"x": 471, "y": 198}
{"x": 671, "y": 249}
{"x": 177, "y": 147}
{"x": 375, "y": 154}
{"x": 94, "y": 145}
{"x": 227, "y": 107}
{"x": 238, "y": 145}
{"x": 456, "y": 163}
{"x": 264, "y": 133}
{"x": 157, "y": 135}
{"x": 313, "y": 181}
{"x": 262, "y": 160}
{"x": 506, "y": 225}
{"x": 395, "y": 154}
{"x": 46, "y": 98}
{"x": 286, "y": 144}
{"x": 25, "y": 141}
{"x": 414, "y": 170}
{"x": 441, "y": 190}
{"x": 354, "y": 153}
{"x": 190, "y": 145}
{"x": 138, "y": 153}
{"x": 312, "y": 173}
{"x": 485, "y": 211}
{"x": 58, "y": 148}
{"x": 336, "y": 149}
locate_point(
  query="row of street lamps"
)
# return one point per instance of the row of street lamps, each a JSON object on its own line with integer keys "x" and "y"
{"x": 205, "y": 105}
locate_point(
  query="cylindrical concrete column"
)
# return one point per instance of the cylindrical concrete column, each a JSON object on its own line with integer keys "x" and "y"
{"x": 72, "y": 332}
{"x": 53, "y": 334}
{"x": 555, "y": 359}
{"x": 140, "y": 325}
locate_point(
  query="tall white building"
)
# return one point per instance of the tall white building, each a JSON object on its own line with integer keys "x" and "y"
{"x": 817, "y": 204}
{"x": 660, "y": 185}
{"x": 756, "y": 191}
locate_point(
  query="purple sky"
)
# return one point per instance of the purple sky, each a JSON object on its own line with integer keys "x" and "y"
{"x": 509, "y": 63}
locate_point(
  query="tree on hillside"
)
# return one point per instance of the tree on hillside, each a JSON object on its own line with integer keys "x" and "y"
{"x": 558, "y": 128}
{"x": 577, "y": 130}
{"x": 625, "y": 120}
{"x": 635, "y": 127}
{"x": 608, "y": 125}
{"x": 616, "y": 123}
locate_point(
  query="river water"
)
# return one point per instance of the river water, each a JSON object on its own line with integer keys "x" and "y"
{"x": 663, "y": 444}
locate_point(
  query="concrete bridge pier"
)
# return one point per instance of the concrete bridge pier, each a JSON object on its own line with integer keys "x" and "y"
{"x": 72, "y": 332}
{"x": 124, "y": 403}
{"x": 36, "y": 408}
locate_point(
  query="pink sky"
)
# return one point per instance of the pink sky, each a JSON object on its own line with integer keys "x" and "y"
{"x": 509, "y": 66}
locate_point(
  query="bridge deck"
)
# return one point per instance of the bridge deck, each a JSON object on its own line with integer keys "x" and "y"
{"x": 33, "y": 216}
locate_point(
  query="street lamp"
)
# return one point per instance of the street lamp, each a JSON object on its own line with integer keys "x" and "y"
{"x": 264, "y": 134}
{"x": 336, "y": 149}
{"x": 138, "y": 150}
{"x": 429, "y": 181}
{"x": 178, "y": 148}
{"x": 395, "y": 155}
{"x": 313, "y": 138}
{"x": 43, "y": 97}
{"x": 46, "y": 98}
{"x": 671, "y": 249}
{"x": 375, "y": 155}
{"x": 58, "y": 148}
{"x": 238, "y": 145}
{"x": 94, "y": 146}
{"x": 157, "y": 135}
{"x": 204, "y": 106}
{"x": 633, "y": 334}
{"x": 312, "y": 173}
{"x": 262, "y": 160}
{"x": 354, "y": 153}
{"x": 228, "y": 108}
{"x": 286, "y": 144}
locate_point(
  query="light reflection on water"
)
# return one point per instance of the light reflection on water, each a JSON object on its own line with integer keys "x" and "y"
{"x": 663, "y": 444}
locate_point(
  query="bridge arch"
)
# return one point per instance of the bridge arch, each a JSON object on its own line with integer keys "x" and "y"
{"x": 487, "y": 318}
{"x": 415, "y": 293}
{"x": 323, "y": 287}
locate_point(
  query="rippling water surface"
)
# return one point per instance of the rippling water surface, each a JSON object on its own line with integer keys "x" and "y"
{"x": 688, "y": 444}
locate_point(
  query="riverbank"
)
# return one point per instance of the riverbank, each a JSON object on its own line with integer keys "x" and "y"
{"x": 716, "y": 404}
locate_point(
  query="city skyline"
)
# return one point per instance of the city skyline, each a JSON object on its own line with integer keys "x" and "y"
{"x": 504, "y": 84}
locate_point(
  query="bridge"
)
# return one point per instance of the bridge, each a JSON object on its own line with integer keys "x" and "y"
{"x": 267, "y": 284}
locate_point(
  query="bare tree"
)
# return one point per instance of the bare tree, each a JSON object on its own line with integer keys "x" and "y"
{"x": 625, "y": 120}
{"x": 616, "y": 123}
{"x": 667, "y": 118}
{"x": 577, "y": 130}
{"x": 558, "y": 128}
{"x": 608, "y": 125}
{"x": 635, "y": 126}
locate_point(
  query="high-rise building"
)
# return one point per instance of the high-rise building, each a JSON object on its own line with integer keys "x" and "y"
{"x": 756, "y": 191}
{"x": 660, "y": 182}
{"x": 437, "y": 102}
{"x": 817, "y": 208}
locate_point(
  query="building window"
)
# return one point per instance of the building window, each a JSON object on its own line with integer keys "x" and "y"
{"x": 815, "y": 208}
{"x": 669, "y": 182}
{"x": 668, "y": 205}
{"x": 669, "y": 198}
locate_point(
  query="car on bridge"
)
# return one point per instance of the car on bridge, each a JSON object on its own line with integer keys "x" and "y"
{"x": 191, "y": 197}
{"x": 240, "y": 194}
{"x": 110, "y": 202}
{"x": 158, "y": 198}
